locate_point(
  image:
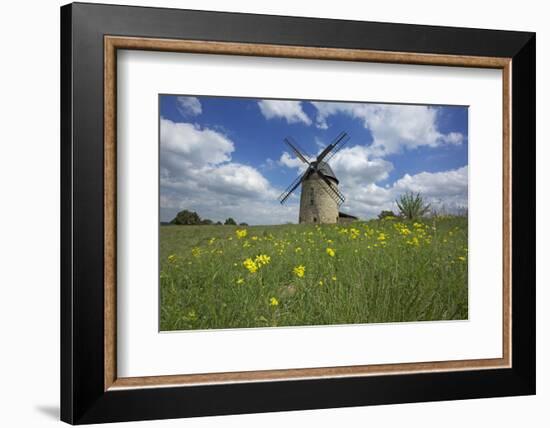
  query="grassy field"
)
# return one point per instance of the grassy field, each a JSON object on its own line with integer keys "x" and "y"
{"x": 261, "y": 276}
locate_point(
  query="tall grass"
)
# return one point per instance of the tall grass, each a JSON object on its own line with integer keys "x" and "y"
{"x": 378, "y": 271}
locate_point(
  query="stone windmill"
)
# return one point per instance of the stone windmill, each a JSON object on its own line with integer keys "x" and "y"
{"x": 320, "y": 198}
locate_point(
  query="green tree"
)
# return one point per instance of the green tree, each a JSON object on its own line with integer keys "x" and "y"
{"x": 230, "y": 221}
{"x": 412, "y": 206}
{"x": 186, "y": 217}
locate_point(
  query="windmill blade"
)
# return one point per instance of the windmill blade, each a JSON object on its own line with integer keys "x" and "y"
{"x": 332, "y": 191}
{"x": 340, "y": 147}
{"x": 284, "y": 196}
{"x": 295, "y": 150}
{"x": 341, "y": 139}
{"x": 327, "y": 188}
{"x": 305, "y": 153}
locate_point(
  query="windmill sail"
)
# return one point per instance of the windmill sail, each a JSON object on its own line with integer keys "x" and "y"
{"x": 284, "y": 196}
{"x": 337, "y": 143}
{"x": 305, "y": 153}
{"x": 333, "y": 192}
{"x": 296, "y": 151}
{"x": 338, "y": 147}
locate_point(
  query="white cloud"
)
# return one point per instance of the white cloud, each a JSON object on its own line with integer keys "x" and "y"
{"x": 443, "y": 190}
{"x": 188, "y": 106}
{"x": 292, "y": 162}
{"x": 393, "y": 127}
{"x": 448, "y": 188}
{"x": 353, "y": 167}
{"x": 197, "y": 173}
{"x": 290, "y": 110}
{"x": 453, "y": 138}
{"x": 195, "y": 145}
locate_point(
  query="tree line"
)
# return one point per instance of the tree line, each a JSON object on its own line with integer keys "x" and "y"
{"x": 191, "y": 218}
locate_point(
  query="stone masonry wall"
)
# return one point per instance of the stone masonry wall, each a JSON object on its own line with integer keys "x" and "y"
{"x": 316, "y": 205}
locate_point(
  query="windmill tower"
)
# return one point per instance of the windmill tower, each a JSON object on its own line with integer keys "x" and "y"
{"x": 320, "y": 198}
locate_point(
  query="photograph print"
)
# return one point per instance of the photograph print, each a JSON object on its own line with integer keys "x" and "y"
{"x": 280, "y": 212}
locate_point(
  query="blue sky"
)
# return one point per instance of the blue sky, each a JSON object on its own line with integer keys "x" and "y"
{"x": 224, "y": 156}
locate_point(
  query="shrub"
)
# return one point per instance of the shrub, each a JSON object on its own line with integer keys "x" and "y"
{"x": 230, "y": 222}
{"x": 412, "y": 206}
{"x": 386, "y": 213}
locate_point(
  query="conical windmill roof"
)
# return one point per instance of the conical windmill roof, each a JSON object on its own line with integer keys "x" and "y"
{"x": 325, "y": 169}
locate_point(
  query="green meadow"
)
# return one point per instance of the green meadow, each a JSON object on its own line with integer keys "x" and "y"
{"x": 391, "y": 270}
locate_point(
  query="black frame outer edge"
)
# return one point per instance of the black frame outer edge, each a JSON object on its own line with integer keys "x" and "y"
{"x": 82, "y": 397}
{"x": 66, "y": 368}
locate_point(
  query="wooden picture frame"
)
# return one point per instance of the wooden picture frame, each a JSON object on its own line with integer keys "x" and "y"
{"x": 91, "y": 390}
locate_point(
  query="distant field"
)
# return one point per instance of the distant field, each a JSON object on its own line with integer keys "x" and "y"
{"x": 215, "y": 277}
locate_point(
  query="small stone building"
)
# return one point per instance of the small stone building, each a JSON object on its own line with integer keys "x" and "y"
{"x": 346, "y": 218}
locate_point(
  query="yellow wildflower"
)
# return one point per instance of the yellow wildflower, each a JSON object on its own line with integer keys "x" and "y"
{"x": 334, "y": 278}
{"x": 240, "y": 281}
{"x": 414, "y": 241}
{"x": 172, "y": 258}
{"x": 331, "y": 252}
{"x": 254, "y": 238}
{"x": 462, "y": 258}
{"x": 262, "y": 259}
{"x": 250, "y": 265}
{"x": 241, "y": 233}
{"x": 211, "y": 241}
{"x": 196, "y": 251}
{"x": 298, "y": 250}
{"x": 273, "y": 301}
{"x": 320, "y": 282}
{"x": 381, "y": 236}
{"x": 299, "y": 271}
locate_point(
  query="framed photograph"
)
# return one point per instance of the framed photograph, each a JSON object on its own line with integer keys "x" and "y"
{"x": 265, "y": 213}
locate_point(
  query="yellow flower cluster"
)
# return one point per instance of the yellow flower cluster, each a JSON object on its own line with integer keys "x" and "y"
{"x": 262, "y": 259}
{"x": 250, "y": 265}
{"x": 172, "y": 258}
{"x": 241, "y": 233}
{"x": 196, "y": 252}
{"x": 331, "y": 252}
{"x": 257, "y": 263}
{"x": 299, "y": 271}
{"x": 273, "y": 301}
{"x": 414, "y": 241}
{"x": 354, "y": 233}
